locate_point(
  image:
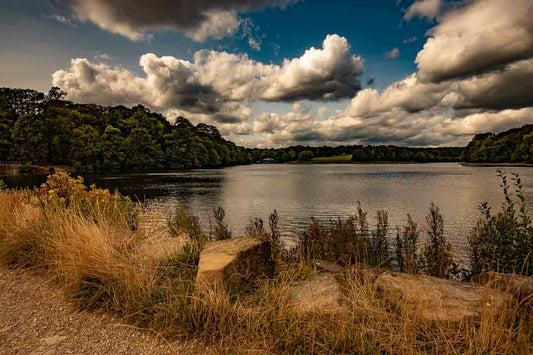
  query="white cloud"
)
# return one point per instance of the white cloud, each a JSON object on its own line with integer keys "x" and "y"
{"x": 428, "y": 9}
{"x": 214, "y": 78}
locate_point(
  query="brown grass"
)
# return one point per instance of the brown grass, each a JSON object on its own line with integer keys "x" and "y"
{"x": 104, "y": 261}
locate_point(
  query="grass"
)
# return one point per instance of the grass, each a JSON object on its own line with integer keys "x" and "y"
{"x": 105, "y": 257}
{"x": 339, "y": 159}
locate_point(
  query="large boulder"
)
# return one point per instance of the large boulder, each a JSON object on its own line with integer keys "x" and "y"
{"x": 234, "y": 262}
{"x": 519, "y": 286}
{"x": 435, "y": 299}
{"x": 321, "y": 293}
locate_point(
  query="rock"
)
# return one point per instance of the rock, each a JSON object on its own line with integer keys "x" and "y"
{"x": 321, "y": 293}
{"x": 53, "y": 340}
{"x": 234, "y": 262}
{"x": 327, "y": 266}
{"x": 431, "y": 298}
{"x": 519, "y": 286}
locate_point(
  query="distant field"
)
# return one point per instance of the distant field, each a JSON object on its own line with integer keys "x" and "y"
{"x": 339, "y": 159}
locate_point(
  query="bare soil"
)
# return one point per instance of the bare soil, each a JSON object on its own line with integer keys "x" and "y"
{"x": 35, "y": 318}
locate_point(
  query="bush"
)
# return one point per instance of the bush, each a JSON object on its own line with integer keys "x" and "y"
{"x": 380, "y": 244}
{"x": 3, "y": 186}
{"x": 255, "y": 228}
{"x": 180, "y": 223}
{"x": 222, "y": 231}
{"x": 438, "y": 257}
{"x": 407, "y": 246}
{"x": 503, "y": 242}
{"x": 27, "y": 167}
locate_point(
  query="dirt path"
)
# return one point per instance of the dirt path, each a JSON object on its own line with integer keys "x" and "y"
{"x": 36, "y": 319}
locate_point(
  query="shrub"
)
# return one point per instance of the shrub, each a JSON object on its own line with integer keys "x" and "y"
{"x": 221, "y": 228}
{"x": 437, "y": 252}
{"x": 27, "y": 167}
{"x": 503, "y": 242}
{"x": 380, "y": 244}
{"x": 312, "y": 243}
{"x": 275, "y": 236}
{"x": 180, "y": 223}
{"x": 3, "y": 186}
{"x": 255, "y": 228}
{"x": 407, "y": 246}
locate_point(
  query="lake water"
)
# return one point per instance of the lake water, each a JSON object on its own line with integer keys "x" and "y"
{"x": 299, "y": 192}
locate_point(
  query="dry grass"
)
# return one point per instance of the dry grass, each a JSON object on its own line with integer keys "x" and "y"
{"x": 105, "y": 260}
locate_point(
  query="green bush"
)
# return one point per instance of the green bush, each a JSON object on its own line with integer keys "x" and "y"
{"x": 407, "y": 246}
{"x": 222, "y": 231}
{"x": 503, "y": 242}
{"x": 438, "y": 257}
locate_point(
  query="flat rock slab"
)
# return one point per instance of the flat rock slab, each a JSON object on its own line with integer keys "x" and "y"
{"x": 231, "y": 263}
{"x": 53, "y": 340}
{"x": 431, "y": 298}
{"x": 321, "y": 293}
{"x": 519, "y": 286}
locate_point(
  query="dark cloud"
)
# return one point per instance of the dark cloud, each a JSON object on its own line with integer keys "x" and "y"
{"x": 511, "y": 87}
{"x": 478, "y": 37}
{"x": 199, "y": 19}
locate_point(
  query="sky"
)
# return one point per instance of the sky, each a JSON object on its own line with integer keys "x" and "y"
{"x": 271, "y": 73}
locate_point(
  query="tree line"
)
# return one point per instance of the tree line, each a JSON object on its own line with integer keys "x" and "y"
{"x": 44, "y": 128}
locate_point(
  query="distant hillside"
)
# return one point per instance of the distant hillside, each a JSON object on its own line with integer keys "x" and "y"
{"x": 512, "y": 146}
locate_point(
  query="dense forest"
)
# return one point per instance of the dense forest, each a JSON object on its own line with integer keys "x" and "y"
{"x": 512, "y": 146}
{"x": 44, "y": 128}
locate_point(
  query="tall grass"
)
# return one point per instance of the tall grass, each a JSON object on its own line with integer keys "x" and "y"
{"x": 96, "y": 246}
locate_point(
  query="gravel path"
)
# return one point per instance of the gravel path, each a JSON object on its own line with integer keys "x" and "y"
{"x": 36, "y": 319}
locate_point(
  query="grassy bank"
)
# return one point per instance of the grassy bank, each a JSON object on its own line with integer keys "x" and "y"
{"x": 339, "y": 159}
{"x": 104, "y": 254}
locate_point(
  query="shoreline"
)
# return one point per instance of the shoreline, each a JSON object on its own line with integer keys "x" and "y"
{"x": 519, "y": 165}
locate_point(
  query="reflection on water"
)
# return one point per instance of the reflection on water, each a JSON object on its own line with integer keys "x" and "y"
{"x": 299, "y": 192}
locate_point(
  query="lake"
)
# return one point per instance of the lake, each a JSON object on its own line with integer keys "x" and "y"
{"x": 299, "y": 192}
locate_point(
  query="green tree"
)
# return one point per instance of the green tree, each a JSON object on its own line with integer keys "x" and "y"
{"x": 111, "y": 149}
{"x": 142, "y": 151}
{"x": 305, "y": 155}
{"x": 29, "y": 139}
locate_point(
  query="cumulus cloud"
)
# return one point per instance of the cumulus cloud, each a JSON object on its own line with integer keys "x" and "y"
{"x": 477, "y": 37}
{"x": 214, "y": 78}
{"x": 428, "y": 9}
{"x": 199, "y": 19}
{"x": 327, "y": 73}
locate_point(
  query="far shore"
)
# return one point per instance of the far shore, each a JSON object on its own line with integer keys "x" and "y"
{"x": 524, "y": 165}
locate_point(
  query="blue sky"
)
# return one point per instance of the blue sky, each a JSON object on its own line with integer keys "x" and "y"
{"x": 280, "y": 72}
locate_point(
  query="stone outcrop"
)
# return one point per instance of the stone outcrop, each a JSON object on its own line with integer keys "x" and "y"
{"x": 327, "y": 266}
{"x": 322, "y": 294}
{"x": 521, "y": 287}
{"x": 431, "y": 298}
{"x": 234, "y": 262}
